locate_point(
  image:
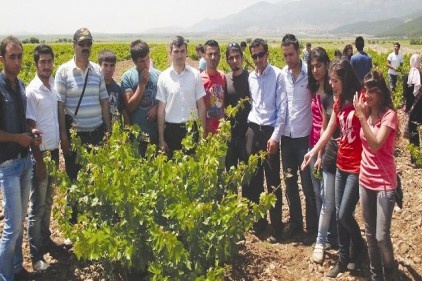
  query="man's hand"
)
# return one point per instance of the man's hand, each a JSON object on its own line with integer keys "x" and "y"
{"x": 152, "y": 113}
{"x": 163, "y": 146}
{"x": 272, "y": 146}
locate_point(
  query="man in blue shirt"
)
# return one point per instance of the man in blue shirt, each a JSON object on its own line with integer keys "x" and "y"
{"x": 140, "y": 86}
{"x": 361, "y": 61}
{"x": 265, "y": 125}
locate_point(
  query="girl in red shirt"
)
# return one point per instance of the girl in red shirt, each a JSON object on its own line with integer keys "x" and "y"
{"x": 345, "y": 84}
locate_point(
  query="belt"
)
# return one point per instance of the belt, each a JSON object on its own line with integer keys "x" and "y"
{"x": 260, "y": 128}
{"x": 178, "y": 125}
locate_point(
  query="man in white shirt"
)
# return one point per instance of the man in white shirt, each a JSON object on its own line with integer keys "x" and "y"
{"x": 295, "y": 140}
{"x": 42, "y": 114}
{"x": 181, "y": 96}
{"x": 394, "y": 61}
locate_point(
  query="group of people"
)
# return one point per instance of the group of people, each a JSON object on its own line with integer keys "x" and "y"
{"x": 309, "y": 116}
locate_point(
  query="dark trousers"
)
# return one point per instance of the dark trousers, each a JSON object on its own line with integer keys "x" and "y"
{"x": 292, "y": 152}
{"x": 174, "y": 133}
{"x": 256, "y": 141}
{"x": 236, "y": 151}
{"x": 71, "y": 164}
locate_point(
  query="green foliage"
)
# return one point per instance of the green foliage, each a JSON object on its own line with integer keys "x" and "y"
{"x": 416, "y": 154}
{"x": 177, "y": 218}
{"x": 415, "y": 41}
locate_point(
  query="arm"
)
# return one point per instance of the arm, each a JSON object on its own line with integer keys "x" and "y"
{"x": 325, "y": 137}
{"x": 202, "y": 113}
{"x": 375, "y": 141}
{"x": 23, "y": 139}
{"x": 161, "y": 113}
{"x": 132, "y": 99}
{"x": 64, "y": 141}
{"x": 40, "y": 169}
{"x": 106, "y": 115}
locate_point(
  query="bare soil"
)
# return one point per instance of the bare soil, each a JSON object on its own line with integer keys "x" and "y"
{"x": 289, "y": 260}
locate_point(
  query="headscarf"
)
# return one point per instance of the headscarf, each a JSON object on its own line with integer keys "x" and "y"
{"x": 414, "y": 74}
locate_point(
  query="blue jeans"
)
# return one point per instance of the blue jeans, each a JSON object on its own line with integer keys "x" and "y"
{"x": 327, "y": 225}
{"x": 41, "y": 199}
{"x": 347, "y": 196}
{"x": 15, "y": 183}
{"x": 377, "y": 211}
{"x": 292, "y": 152}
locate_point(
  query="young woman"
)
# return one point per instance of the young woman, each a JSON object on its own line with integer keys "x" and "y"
{"x": 377, "y": 178}
{"x": 322, "y": 104}
{"x": 413, "y": 93}
{"x": 344, "y": 83}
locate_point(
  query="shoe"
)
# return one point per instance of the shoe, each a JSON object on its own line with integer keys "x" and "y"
{"x": 274, "y": 239}
{"x": 292, "y": 230}
{"x": 338, "y": 268}
{"x": 53, "y": 247}
{"x": 68, "y": 243}
{"x": 318, "y": 253}
{"x": 40, "y": 265}
{"x": 22, "y": 275}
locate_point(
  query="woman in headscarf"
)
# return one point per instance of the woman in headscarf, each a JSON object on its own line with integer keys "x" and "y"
{"x": 413, "y": 92}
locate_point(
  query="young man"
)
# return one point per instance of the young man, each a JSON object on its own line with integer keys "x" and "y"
{"x": 361, "y": 61}
{"x": 394, "y": 61}
{"x": 42, "y": 114}
{"x": 295, "y": 139}
{"x": 200, "y": 51}
{"x": 237, "y": 88}
{"x": 265, "y": 124}
{"x": 92, "y": 119}
{"x": 107, "y": 60}
{"x": 307, "y": 51}
{"x": 15, "y": 161}
{"x": 140, "y": 86}
{"x": 214, "y": 83}
{"x": 181, "y": 97}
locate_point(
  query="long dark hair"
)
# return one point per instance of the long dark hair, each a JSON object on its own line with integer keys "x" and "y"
{"x": 321, "y": 56}
{"x": 375, "y": 79}
{"x": 351, "y": 84}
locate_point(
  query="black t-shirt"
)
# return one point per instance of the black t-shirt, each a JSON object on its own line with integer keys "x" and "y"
{"x": 237, "y": 88}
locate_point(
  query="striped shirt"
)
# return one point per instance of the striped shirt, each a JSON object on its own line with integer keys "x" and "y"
{"x": 69, "y": 82}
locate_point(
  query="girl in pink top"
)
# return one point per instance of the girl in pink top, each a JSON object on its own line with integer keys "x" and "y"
{"x": 377, "y": 180}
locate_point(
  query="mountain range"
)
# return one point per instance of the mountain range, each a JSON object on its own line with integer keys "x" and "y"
{"x": 317, "y": 17}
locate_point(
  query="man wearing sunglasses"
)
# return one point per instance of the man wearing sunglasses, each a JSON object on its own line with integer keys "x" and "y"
{"x": 82, "y": 95}
{"x": 295, "y": 139}
{"x": 265, "y": 125}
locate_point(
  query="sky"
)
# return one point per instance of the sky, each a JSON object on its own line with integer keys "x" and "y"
{"x": 105, "y": 16}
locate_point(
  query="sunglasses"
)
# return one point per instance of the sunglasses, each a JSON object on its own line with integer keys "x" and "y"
{"x": 85, "y": 44}
{"x": 259, "y": 55}
{"x": 233, "y": 45}
{"x": 371, "y": 82}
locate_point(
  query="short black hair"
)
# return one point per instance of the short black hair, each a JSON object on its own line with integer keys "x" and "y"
{"x": 290, "y": 39}
{"x": 106, "y": 56}
{"x": 178, "y": 41}
{"x": 138, "y": 49}
{"x": 42, "y": 49}
{"x": 359, "y": 43}
{"x": 258, "y": 42}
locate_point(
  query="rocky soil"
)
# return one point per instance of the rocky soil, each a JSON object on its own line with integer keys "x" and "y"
{"x": 289, "y": 260}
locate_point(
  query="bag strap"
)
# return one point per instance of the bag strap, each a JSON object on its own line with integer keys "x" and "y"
{"x": 83, "y": 91}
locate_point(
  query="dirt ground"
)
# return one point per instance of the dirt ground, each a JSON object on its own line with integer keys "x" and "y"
{"x": 289, "y": 260}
